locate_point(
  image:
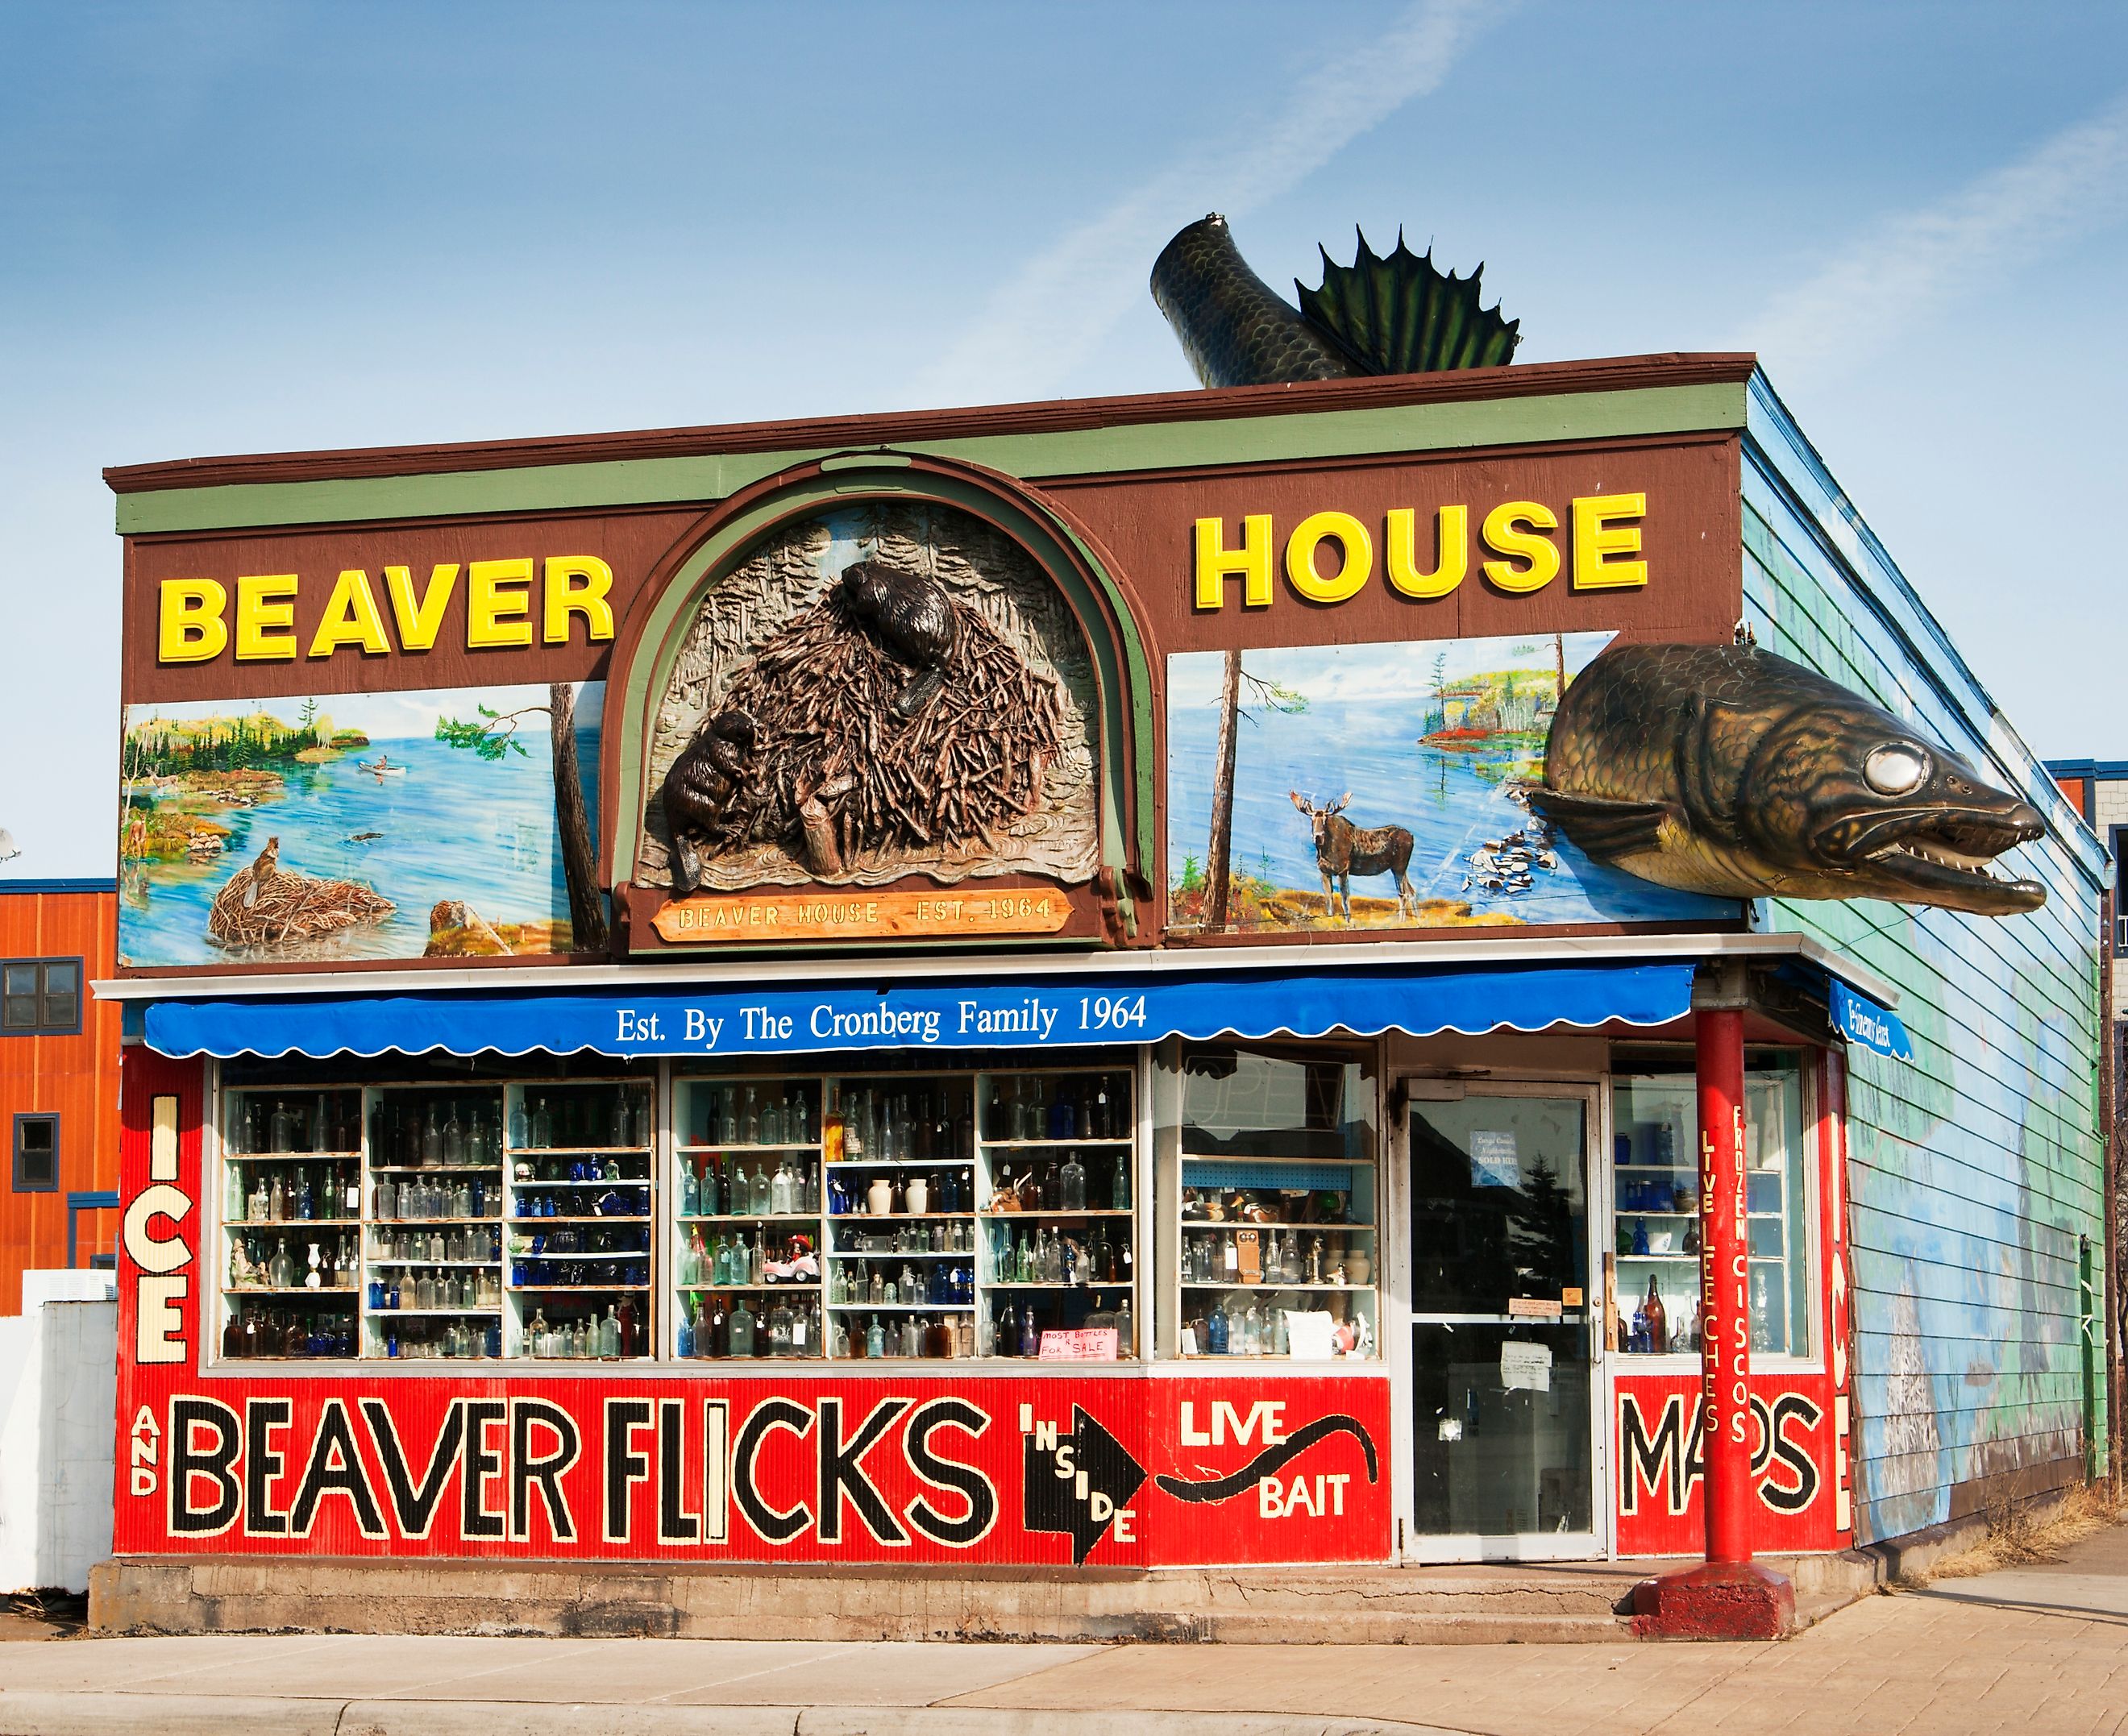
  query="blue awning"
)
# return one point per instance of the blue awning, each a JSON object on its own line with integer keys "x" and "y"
{"x": 987, "y": 1012}
{"x": 1862, "y": 1021}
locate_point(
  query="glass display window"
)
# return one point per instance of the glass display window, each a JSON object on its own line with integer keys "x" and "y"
{"x": 292, "y": 1222}
{"x": 897, "y": 1214}
{"x": 474, "y": 1217}
{"x": 1055, "y": 1193}
{"x": 747, "y": 1198}
{"x": 1270, "y": 1215}
{"x": 1655, "y": 1204}
{"x": 433, "y": 1283}
{"x": 579, "y": 1281}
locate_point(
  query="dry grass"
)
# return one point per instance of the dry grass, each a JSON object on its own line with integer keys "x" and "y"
{"x": 2024, "y": 1533}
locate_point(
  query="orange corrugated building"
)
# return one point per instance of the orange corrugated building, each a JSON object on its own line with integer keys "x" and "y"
{"x": 58, "y": 1078}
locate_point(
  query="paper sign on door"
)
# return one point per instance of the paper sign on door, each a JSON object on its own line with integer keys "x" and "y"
{"x": 1525, "y": 1367}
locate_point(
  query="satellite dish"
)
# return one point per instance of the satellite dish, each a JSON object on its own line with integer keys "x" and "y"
{"x": 9, "y": 850}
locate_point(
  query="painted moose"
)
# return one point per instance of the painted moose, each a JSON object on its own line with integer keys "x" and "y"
{"x": 1343, "y": 850}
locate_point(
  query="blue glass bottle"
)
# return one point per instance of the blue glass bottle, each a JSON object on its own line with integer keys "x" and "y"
{"x": 1215, "y": 1331}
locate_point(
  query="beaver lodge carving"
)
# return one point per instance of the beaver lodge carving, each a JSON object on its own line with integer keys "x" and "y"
{"x": 881, "y": 691}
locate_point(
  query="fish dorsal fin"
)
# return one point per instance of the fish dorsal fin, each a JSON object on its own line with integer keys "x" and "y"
{"x": 1402, "y": 314}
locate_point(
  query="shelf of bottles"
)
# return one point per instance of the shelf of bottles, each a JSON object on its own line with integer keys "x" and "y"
{"x": 1277, "y": 1257}
{"x": 900, "y": 1216}
{"x": 432, "y": 1284}
{"x": 898, "y": 1155}
{"x": 745, "y": 1255}
{"x": 291, "y": 1224}
{"x": 578, "y": 1203}
{"x": 1655, "y": 1214}
{"x": 1057, "y": 1155}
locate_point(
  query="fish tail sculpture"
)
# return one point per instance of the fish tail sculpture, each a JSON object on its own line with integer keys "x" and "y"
{"x": 1729, "y": 771}
{"x": 1390, "y": 314}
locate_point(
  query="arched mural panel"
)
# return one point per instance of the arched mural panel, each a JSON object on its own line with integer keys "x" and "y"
{"x": 882, "y": 688}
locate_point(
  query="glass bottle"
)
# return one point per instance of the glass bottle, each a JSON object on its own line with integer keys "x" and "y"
{"x": 1127, "y": 1328}
{"x": 832, "y": 1130}
{"x": 772, "y": 1134}
{"x": 749, "y": 1126}
{"x": 742, "y": 1329}
{"x": 282, "y": 1129}
{"x": 1030, "y": 1334}
{"x": 1216, "y": 1336}
{"x": 521, "y": 1125}
{"x": 306, "y": 1201}
{"x": 234, "y": 1207}
{"x": 779, "y": 1187}
{"x": 276, "y": 1201}
{"x": 1120, "y": 1186}
{"x": 1657, "y": 1317}
{"x": 1072, "y": 1184}
{"x": 542, "y": 1126}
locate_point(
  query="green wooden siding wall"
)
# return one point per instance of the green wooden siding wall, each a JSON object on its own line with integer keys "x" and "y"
{"x": 1975, "y": 1170}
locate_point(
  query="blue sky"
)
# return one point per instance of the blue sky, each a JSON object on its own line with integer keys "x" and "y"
{"x": 245, "y": 227}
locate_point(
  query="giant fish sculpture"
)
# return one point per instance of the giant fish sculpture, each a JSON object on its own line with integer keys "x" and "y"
{"x": 1726, "y": 769}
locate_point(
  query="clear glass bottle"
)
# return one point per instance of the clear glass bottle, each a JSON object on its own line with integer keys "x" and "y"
{"x": 1072, "y": 1184}
{"x": 282, "y": 1129}
{"x": 542, "y": 1126}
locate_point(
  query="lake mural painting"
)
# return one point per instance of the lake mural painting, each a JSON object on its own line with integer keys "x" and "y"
{"x": 1409, "y": 763}
{"x": 435, "y": 823}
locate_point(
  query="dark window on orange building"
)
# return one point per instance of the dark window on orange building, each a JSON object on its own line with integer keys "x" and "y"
{"x": 40, "y": 996}
{"x": 36, "y": 1154}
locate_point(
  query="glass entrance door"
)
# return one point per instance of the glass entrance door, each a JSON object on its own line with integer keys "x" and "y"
{"x": 1503, "y": 1347}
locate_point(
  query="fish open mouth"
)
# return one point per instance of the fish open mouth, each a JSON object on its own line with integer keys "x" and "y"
{"x": 1949, "y": 854}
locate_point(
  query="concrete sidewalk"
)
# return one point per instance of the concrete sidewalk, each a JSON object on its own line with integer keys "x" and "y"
{"x": 2040, "y": 1649}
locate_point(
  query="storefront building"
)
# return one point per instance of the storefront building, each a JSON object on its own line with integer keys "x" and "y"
{"x": 1039, "y": 986}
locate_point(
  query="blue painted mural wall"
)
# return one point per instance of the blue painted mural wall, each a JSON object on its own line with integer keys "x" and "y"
{"x": 1974, "y": 1171}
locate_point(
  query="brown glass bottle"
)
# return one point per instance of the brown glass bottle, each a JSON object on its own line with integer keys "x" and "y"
{"x": 1658, "y": 1319}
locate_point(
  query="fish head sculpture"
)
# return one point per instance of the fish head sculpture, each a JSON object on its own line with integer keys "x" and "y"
{"x": 1729, "y": 771}
{"x": 1853, "y": 792}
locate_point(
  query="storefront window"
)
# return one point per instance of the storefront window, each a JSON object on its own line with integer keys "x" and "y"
{"x": 861, "y": 1216}
{"x": 476, "y": 1218}
{"x": 1655, "y": 1205}
{"x": 889, "y": 1214}
{"x": 1268, "y": 1166}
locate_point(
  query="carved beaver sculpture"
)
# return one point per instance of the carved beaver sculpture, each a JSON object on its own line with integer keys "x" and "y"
{"x": 710, "y": 769}
{"x": 913, "y": 617}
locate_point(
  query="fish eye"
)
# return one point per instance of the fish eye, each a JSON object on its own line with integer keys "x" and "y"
{"x": 1895, "y": 770}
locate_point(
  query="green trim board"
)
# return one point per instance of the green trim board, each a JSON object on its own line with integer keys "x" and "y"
{"x": 1127, "y": 737}
{"x": 1176, "y": 445}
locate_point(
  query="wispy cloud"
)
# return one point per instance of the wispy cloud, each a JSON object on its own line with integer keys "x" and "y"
{"x": 2071, "y": 184}
{"x": 1055, "y": 310}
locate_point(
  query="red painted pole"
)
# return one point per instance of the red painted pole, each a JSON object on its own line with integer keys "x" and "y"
{"x": 1725, "y": 1314}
